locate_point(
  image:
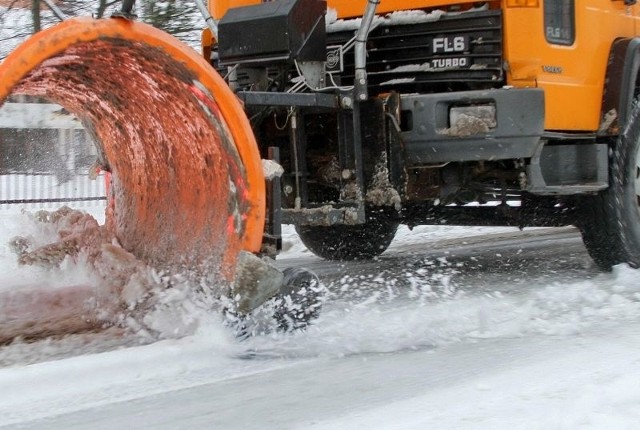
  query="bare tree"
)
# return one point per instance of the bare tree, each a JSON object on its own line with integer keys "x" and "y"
{"x": 35, "y": 14}
{"x": 103, "y": 5}
{"x": 180, "y": 18}
{"x": 20, "y": 18}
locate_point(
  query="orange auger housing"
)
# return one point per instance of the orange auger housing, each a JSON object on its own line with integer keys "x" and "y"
{"x": 186, "y": 189}
{"x": 187, "y": 186}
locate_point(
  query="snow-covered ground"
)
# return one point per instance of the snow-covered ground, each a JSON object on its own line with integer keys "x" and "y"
{"x": 439, "y": 355}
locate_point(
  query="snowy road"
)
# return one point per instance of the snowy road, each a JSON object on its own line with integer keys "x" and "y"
{"x": 535, "y": 382}
{"x": 480, "y": 329}
{"x": 490, "y": 258}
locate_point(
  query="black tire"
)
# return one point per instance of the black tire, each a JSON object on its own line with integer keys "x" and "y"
{"x": 349, "y": 242}
{"x": 610, "y": 221}
{"x": 299, "y": 300}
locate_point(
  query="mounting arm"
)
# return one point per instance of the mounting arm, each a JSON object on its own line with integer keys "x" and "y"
{"x": 126, "y": 11}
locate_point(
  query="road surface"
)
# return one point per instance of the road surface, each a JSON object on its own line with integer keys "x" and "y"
{"x": 499, "y": 330}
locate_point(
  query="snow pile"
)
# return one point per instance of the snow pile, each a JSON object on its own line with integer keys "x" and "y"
{"x": 373, "y": 317}
{"x": 409, "y": 17}
{"x": 15, "y": 275}
{"x": 70, "y": 247}
{"x": 400, "y": 17}
{"x": 405, "y": 17}
{"x": 428, "y": 308}
{"x": 446, "y": 353}
{"x": 426, "y": 305}
{"x": 558, "y": 310}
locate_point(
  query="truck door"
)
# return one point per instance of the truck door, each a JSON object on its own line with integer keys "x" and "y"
{"x": 634, "y": 9}
{"x": 576, "y": 40}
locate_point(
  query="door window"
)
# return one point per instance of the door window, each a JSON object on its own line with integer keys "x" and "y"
{"x": 559, "y": 21}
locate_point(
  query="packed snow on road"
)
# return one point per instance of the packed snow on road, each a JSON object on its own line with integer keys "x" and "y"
{"x": 408, "y": 341}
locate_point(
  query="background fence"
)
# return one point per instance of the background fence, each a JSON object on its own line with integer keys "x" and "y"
{"x": 45, "y": 159}
{"x": 34, "y": 191}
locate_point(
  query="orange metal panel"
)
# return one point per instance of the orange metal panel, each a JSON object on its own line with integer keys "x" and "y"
{"x": 218, "y": 8}
{"x": 572, "y": 76}
{"x": 345, "y": 8}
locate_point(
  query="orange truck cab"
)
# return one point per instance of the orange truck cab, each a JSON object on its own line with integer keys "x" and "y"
{"x": 382, "y": 112}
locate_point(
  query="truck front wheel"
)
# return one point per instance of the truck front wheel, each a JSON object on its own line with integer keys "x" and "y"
{"x": 349, "y": 242}
{"x": 611, "y": 223}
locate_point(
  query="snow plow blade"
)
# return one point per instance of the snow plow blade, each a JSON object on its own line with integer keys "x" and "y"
{"x": 186, "y": 183}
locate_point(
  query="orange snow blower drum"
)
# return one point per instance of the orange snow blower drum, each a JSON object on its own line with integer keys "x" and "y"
{"x": 187, "y": 187}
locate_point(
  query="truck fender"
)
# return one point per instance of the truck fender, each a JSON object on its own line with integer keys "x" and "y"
{"x": 621, "y": 86}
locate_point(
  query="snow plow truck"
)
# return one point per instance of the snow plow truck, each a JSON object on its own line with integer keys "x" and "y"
{"x": 513, "y": 112}
{"x": 379, "y": 113}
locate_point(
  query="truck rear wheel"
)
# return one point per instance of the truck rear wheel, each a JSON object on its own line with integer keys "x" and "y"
{"x": 611, "y": 224}
{"x": 349, "y": 242}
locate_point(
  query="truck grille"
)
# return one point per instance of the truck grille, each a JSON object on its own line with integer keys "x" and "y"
{"x": 464, "y": 47}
